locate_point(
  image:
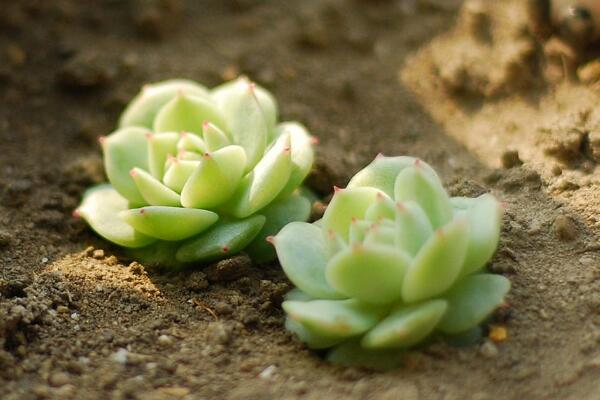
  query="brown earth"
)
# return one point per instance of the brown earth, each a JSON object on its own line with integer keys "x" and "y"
{"x": 413, "y": 77}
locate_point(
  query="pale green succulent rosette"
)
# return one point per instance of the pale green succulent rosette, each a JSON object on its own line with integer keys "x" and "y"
{"x": 393, "y": 261}
{"x": 197, "y": 175}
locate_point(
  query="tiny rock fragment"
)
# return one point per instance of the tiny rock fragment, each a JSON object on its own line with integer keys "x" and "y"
{"x": 229, "y": 269}
{"x": 218, "y": 333}
{"x": 488, "y": 349}
{"x": 59, "y": 379}
{"x": 98, "y": 254}
{"x": 510, "y": 159}
{"x": 589, "y": 73}
{"x": 565, "y": 228}
{"x": 268, "y": 372}
{"x": 498, "y": 333}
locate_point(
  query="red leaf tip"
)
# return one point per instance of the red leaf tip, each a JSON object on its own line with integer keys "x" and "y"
{"x": 270, "y": 239}
{"x": 76, "y": 214}
{"x": 314, "y": 140}
{"x": 133, "y": 172}
{"x": 225, "y": 249}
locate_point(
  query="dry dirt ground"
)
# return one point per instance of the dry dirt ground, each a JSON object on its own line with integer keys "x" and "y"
{"x": 468, "y": 91}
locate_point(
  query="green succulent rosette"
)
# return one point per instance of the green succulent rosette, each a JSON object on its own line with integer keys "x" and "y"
{"x": 393, "y": 261}
{"x": 197, "y": 175}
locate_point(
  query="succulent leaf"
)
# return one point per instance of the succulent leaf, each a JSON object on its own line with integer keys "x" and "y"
{"x": 373, "y": 274}
{"x": 214, "y": 137}
{"x": 334, "y": 318}
{"x": 485, "y": 218}
{"x": 278, "y": 214}
{"x": 160, "y": 146}
{"x": 303, "y": 257}
{"x": 382, "y": 208}
{"x": 178, "y": 172}
{"x": 215, "y": 179}
{"x": 247, "y": 121}
{"x": 190, "y": 142}
{"x": 346, "y": 205}
{"x": 154, "y": 191}
{"x": 471, "y": 300}
{"x": 144, "y": 107}
{"x": 226, "y": 238}
{"x": 406, "y": 325}
{"x": 313, "y": 340}
{"x": 302, "y": 154}
{"x": 264, "y": 183}
{"x": 124, "y": 150}
{"x": 352, "y": 354}
{"x": 438, "y": 263}
{"x": 413, "y": 228}
{"x": 187, "y": 113}
{"x": 169, "y": 223}
{"x": 416, "y": 184}
{"x": 101, "y": 207}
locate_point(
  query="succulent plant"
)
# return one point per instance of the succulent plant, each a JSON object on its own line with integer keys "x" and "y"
{"x": 198, "y": 175}
{"x": 393, "y": 261}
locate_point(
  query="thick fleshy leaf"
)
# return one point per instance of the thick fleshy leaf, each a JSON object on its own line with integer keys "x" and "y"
{"x": 191, "y": 142}
{"x": 185, "y": 155}
{"x": 382, "y": 234}
{"x": 416, "y": 184}
{"x": 372, "y": 274}
{"x": 312, "y": 339}
{"x": 302, "y": 154}
{"x": 485, "y": 218}
{"x": 303, "y": 257}
{"x": 406, "y": 325}
{"x": 472, "y": 300}
{"x": 264, "y": 183}
{"x": 214, "y": 137}
{"x": 154, "y": 191}
{"x": 178, "y": 172}
{"x": 382, "y": 208}
{"x": 187, "y": 113}
{"x": 124, "y": 150}
{"x": 226, "y": 238}
{"x": 352, "y": 354}
{"x": 142, "y": 110}
{"x": 215, "y": 179}
{"x": 297, "y": 295}
{"x": 358, "y": 231}
{"x": 334, "y": 318}
{"x": 169, "y": 223}
{"x": 382, "y": 173}
{"x": 413, "y": 228}
{"x": 247, "y": 121}
{"x": 437, "y": 265}
{"x": 346, "y": 205}
{"x": 266, "y": 101}
{"x": 101, "y": 207}
{"x": 334, "y": 242}
{"x": 158, "y": 255}
{"x": 160, "y": 146}
{"x": 279, "y": 213}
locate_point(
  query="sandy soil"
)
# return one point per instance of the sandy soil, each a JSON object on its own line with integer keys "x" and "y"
{"x": 78, "y": 320}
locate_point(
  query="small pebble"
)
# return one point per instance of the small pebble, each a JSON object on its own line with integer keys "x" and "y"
{"x": 229, "y": 269}
{"x": 565, "y": 228}
{"x": 59, "y": 379}
{"x": 165, "y": 340}
{"x": 98, "y": 254}
{"x": 510, "y": 159}
{"x": 120, "y": 356}
{"x": 268, "y": 372}
{"x": 488, "y": 349}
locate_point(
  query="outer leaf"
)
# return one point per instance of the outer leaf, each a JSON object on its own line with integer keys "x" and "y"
{"x": 406, "y": 325}
{"x": 226, "y": 238}
{"x": 169, "y": 223}
{"x": 303, "y": 257}
{"x": 334, "y": 243}
{"x": 485, "y": 218}
{"x": 160, "y": 146}
{"x": 438, "y": 263}
{"x": 261, "y": 186}
{"x": 372, "y": 274}
{"x": 471, "y": 300}
{"x": 352, "y": 354}
{"x": 346, "y": 205}
{"x": 266, "y": 101}
{"x": 413, "y": 228}
{"x": 215, "y": 179}
{"x": 100, "y": 208}
{"x": 178, "y": 173}
{"x": 158, "y": 255}
{"x": 334, "y": 318}
{"x": 214, "y": 137}
{"x": 278, "y": 214}
{"x": 302, "y": 154}
{"x": 382, "y": 173}
{"x": 416, "y": 184}
{"x": 144, "y": 107}
{"x": 153, "y": 191}
{"x": 124, "y": 150}
{"x": 312, "y": 339}
{"x": 297, "y": 295}
{"x": 186, "y": 113}
{"x": 247, "y": 122}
